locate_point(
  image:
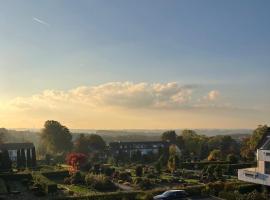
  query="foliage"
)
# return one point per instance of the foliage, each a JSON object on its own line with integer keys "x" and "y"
{"x": 75, "y": 178}
{"x": 250, "y": 143}
{"x": 214, "y": 155}
{"x": 169, "y": 136}
{"x": 99, "y": 182}
{"x": 55, "y": 138}
{"x": 5, "y": 162}
{"x": 87, "y": 144}
{"x": 47, "y": 185}
{"x": 76, "y": 160}
{"x": 232, "y": 158}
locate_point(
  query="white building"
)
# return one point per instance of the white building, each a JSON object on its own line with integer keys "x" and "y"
{"x": 261, "y": 173}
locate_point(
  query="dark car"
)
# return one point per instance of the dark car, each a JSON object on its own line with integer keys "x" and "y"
{"x": 172, "y": 195}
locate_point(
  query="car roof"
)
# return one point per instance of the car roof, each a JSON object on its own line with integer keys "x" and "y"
{"x": 176, "y": 191}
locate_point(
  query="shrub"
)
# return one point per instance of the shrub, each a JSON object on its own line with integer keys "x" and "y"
{"x": 47, "y": 185}
{"x": 75, "y": 178}
{"x": 124, "y": 176}
{"x": 99, "y": 182}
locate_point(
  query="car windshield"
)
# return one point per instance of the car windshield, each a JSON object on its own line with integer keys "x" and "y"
{"x": 167, "y": 193}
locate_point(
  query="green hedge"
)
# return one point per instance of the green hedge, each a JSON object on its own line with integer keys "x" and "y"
{"x": 15, "y": 177}
{"x": 56, "y": 174}
{"x": 108, "y": 196}
{"x": 47, "y": 185}
{"x": 201, "y": 165}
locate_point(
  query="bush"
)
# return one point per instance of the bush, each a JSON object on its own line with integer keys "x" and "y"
{"x": 124, "y": 176}
{"x": 75, "y": 178}
{"x": 99, "y": 182}
{"x": 3, "y": 187}
{"x": 47, "y": 185}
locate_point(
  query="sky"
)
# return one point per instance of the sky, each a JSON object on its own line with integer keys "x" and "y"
{"x": 126, "y": 64}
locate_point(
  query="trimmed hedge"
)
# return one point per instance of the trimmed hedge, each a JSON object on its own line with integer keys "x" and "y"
{"x": 108, "y": 196}
{"x": 56, "y": 174}
{"x": 47, "y": 185}
{"x": 15, "y": 177}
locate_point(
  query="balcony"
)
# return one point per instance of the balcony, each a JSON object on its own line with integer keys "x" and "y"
{"x": 253, "y": 176}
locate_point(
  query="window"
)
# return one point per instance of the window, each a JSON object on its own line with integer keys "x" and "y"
{"x": 267, "y": 167}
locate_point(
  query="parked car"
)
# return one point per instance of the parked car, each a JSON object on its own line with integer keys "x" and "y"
{"x": 172, "y": 195}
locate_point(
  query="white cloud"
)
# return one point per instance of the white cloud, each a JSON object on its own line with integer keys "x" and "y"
{"x": 113, "y": 94}
{"x": 40, "y": 21}
{"x": 212, "y": 95}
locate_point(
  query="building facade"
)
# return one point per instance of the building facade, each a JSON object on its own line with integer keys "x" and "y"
{"x": 261, "y": 173}
{"x": 14, "y": 148}
{"x": 130, "y": 148}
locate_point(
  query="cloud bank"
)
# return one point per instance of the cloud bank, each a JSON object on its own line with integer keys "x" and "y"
{"x": 116, "y": 94}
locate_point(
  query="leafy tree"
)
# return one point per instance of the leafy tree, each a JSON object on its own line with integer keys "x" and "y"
{"x": 249, "y": 144}
{"x": 56, "y": 138}
{"x": 214, "y": 155}
{"x": 89, "y": 143}
{"x": 232, "y": 158}
{"x": 76, "y": 160}
{"x": 158, "y": 167}
{"x": 174, "y": 161}
{"x": 6, "y": 162}
{"x": 28, "y": 159}
{"x": 169, "y": 136}
{"x": 34, "y": 159}
{"x": 23, "y": 159}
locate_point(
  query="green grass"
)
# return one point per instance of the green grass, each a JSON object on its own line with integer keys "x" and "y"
{"x": 79, "y": 189}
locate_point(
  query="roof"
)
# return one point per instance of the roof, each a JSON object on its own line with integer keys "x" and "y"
{"x": 264, "y": 140}
{"x": 15, "y": 146}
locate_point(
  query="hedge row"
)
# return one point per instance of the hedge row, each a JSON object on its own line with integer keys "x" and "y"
{"x": 15, "y": 177}
{"x": 201, "y": 165}
{"x": 108, "y": 196}
{"x": 47, "y": 185}
{"x": 56, "y": 174}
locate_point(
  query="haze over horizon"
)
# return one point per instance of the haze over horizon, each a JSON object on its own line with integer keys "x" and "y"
{"x": 135, "y": 64}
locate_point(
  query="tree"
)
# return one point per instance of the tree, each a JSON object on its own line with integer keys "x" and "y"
{"x": 19, "y": 160}
{"x": 76, "y": 160}
{"x": 89, "y": 143}
{"x": 174, "y": 161}
{"x": 139, "y": 171}
{"x": 28, "y": 159}
{"x": 6, "y": 162}
{"x": 249, "y": 144}
{"x": 214, "y": 155}
{"x": 232, "y": 158}
{"x": 56, "y": 138}
{"x": 23, "y": 159}
{"x": 169, "y": 136}
{"x": 34, "y": 159}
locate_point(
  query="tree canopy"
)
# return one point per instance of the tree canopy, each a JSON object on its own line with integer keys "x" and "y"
{"x": 169, "y": 136}
{"x": 88, "y": 143}
{"x": 55, "y": 138}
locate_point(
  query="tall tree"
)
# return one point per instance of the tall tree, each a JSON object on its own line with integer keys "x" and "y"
{"x": 87, "y": 144}
{"x": 23, "y": 159}
{"x": 249, "y": 144}
{"x": 28, "y": 159}
{"x": 169, "y": 136}
{"x": 56, "y": 137}
{"x": 34, "y": 159}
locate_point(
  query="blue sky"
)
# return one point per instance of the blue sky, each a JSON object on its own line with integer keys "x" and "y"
{"x": 61, "y": 45}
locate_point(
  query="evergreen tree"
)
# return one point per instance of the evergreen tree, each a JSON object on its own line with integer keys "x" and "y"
{"x": 7, "y": 163}
{"x": 19, "y": 160}
{"x": 23, "y": 159}
{"x": 34, "y": 159}
{"x": 28, "y": 159}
